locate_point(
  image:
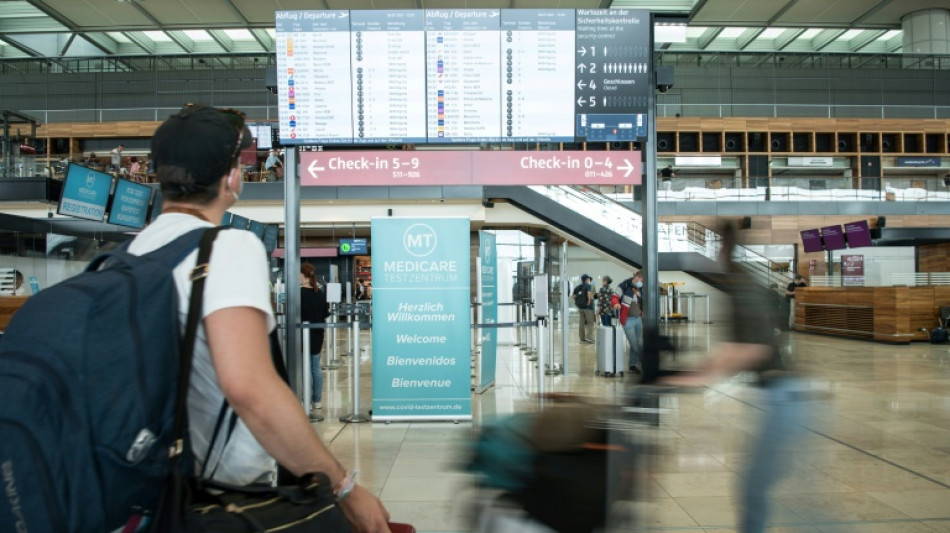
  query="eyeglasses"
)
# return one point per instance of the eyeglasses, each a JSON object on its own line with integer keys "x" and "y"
{"x": 236, "y": 118}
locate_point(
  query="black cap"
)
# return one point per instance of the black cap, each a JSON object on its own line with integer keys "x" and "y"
{"x": 200, "y": 139}
{"x": 586, "y": 276}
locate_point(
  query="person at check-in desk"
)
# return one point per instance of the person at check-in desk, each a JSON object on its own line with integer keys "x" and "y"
{"x": 753, "y": 347}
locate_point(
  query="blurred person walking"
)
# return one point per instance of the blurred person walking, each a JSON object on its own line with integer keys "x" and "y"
{"x": 754, "y": 347}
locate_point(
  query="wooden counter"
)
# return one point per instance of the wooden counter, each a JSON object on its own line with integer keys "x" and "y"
{"x": 883, "y": 314}
{"x": 8, "y": 306}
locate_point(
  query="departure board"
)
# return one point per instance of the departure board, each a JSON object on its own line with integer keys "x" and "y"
{"x": 462, "y": 75}
{"x": 462, "y": 51}
{"x": 389, "y": 76}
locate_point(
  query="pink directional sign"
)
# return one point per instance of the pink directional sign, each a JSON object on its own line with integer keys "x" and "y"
{"x": 469, "y": 168}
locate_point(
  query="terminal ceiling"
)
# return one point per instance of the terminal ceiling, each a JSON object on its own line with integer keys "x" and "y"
{"x": 84, "y": 28}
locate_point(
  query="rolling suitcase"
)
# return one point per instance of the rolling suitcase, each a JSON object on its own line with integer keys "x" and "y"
{"x": 609, "y": 346}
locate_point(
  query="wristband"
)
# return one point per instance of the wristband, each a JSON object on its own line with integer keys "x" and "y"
{"x": 346, "y": 486}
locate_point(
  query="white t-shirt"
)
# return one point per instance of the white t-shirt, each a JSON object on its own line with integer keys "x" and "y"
{"x": 237, "y": 277}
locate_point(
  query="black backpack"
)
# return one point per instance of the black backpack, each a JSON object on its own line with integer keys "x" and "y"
{"x": 89, "y": 373}
{"x": 580, "y": 297}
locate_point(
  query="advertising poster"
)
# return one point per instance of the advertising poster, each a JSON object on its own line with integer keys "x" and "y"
{"x": 488, "y": 295}
{"x": 852, "y": 270}
{"x": 421, "y": 313}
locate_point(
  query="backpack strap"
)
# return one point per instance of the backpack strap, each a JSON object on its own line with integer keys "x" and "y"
{"x": 198, "y": 277}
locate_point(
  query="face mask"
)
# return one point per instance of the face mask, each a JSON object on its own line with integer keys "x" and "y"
{"x": 639, "y": 284}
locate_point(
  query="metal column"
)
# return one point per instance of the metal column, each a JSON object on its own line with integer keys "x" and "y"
{"x": 565, "y": 307}
{"x": 291, "y": 269}
{"x": 650, "y": 249}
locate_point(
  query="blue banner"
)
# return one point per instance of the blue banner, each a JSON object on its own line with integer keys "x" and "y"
{"x": 85, "y": 193}
{"x": 488, "y": 295}
{"x": 421, "y": 310}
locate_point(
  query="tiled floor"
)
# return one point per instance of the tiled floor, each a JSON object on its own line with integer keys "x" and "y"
{"x": 875, "y": 458}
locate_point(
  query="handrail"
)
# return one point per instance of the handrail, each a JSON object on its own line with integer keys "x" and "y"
{"x": 624, "y": 221}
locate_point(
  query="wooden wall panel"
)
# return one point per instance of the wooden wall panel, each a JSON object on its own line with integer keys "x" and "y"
{"x": 934, "y": 257}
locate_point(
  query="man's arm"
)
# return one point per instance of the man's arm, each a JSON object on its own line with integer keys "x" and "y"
{"x": 240, "y": 353}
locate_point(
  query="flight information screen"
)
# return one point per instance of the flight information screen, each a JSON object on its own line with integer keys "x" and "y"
{"x": 462, "y": 75}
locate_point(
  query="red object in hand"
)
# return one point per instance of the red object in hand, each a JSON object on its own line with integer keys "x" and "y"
{"x": 396, "y": 527}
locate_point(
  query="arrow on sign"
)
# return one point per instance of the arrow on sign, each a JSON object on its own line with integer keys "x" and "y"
{"x": 627, "y": 166}
{"x": 580, "y": 101}
{"x": 313, "y": 169}
{"x": 582, "y": 67}
{"x": 582, "y": 52}
{"x": 581, "y": 85}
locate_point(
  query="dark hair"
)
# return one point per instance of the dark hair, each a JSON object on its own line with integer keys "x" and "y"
{"x": 608, "y": 280}
{"x": 310, "y": 273}
{"x": 179, "y": 185}
{"x": 194, "y": 150}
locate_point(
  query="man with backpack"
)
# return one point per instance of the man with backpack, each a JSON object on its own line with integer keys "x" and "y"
{"x": 196, "y": 157}
{"x": 584, "y": 300}
{"x": 104, "y": 388}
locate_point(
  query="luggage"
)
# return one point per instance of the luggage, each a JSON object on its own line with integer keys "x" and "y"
{"x": 610, "y": 347}
{"x": 89, "y": 367}
{"x": 939, "y": 336}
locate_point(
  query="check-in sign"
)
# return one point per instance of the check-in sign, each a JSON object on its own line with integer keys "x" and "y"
{"x": 469, "y": 168}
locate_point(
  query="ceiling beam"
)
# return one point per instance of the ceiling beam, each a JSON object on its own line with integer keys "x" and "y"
{"x": 222, "y": 39}
{"x": 778, "y": 14}
{"x": 67, "y": 44}
{"x": 53, "y": 14}
{"x": 826, "y": 37}
{"x": 234, "y": 9}
{"x": 863, "y": 39}
{"x": 747, "y": 37}
{"x": 20, "y": 46}
{"x": 263, "y": 38}
{"x": 145, "y": 13}
{"x": 39, "y": 24}
{"x": 141, "y": 40}
{"x": 787, "y": 37}
{"x": 894, "y": 44}
{"x": 182, "y": 40}
{"x": 879, "y": 6}
{"x": 103, "y": 42}
{"x": 708, "y": 37}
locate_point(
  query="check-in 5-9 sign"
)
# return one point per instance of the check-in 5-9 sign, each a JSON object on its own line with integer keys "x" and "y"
{"x": 469, "y": 168}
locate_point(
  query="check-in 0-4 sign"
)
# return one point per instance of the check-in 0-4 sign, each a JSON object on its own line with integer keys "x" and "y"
{"x": 469, "y": 168}
{"x": 421, "y": 312}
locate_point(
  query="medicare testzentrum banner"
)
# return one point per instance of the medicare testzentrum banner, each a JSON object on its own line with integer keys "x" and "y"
{"x": 488, "y": 295}
{"x": 421, "y": 310}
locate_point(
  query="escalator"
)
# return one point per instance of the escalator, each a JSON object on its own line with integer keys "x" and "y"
{"x": 615, "y": 230}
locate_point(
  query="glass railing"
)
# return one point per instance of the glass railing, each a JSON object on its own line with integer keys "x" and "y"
{"x": 893, "y": 189}
{"x": 671, "y": 237}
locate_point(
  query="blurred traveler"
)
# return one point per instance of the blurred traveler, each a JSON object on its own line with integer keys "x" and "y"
{"x": 604, "y": 305}
{"x": 629, "y": 305}
{"x": 797, "y": 283}
{"x": 314, "y": 309}
{"x": 196, "y": 155}
{"x": 116, "y": 158}
{"x": 584, "y": 300}
{"x": 273, "y": 165}
{"x": 754, "y": 347}
{"x": 667, "y": 175}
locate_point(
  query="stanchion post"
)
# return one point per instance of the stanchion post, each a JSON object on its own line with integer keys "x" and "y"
{"x": 355, "y": 416}
{"x": 541, "y": 371}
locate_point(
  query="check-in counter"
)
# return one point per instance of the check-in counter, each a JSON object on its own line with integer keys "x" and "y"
{"x": 883, "y": 314}
{"x": 8, "y": 306}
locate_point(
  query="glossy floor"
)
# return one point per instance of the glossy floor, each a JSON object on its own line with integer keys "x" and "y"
{"x": 875, "y": 456}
